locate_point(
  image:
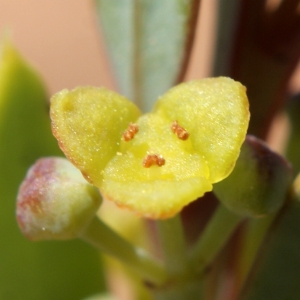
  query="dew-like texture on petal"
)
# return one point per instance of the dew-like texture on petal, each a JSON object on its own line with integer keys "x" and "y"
{"x": 215, "y": 111}
{"x": 155, "y": 191}
{"x": 88, "y": 123}
{"x": 55, "y": 201}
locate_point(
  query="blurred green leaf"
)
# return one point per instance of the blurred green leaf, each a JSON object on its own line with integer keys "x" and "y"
{"x": 276, "y": 273}
{"x": 149, "y": 42}
{"x": 259, "y": 182}
{"x": 28, "y": 270}
{"x": 293, "y": 148}
{"x": 101, "y": 297}
{"x": 227, "y": 19}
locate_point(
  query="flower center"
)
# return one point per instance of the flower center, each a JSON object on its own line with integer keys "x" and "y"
{"x": 151, "y": 158}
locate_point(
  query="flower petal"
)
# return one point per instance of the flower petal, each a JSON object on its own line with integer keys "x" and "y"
{"x": 155, "y": 191}
{"x": 88, "y": 124}
{"x": 215, "y": 112}
{"x": 159, "y": 199}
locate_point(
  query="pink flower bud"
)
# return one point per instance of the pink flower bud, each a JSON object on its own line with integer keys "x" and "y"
{"x": 55, "y": 201}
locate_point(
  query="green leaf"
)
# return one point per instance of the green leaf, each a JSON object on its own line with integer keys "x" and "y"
{"x": 227, "y": 19}
{"x": 149, "y": 42}
{"x": 44, "y": 270}
{"x": 293, "y": 148}
{"x": 276, "y": 273}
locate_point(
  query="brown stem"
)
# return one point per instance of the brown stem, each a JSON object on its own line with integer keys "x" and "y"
{"x": 266, "y": 51}
{"x": 191, "y": 25}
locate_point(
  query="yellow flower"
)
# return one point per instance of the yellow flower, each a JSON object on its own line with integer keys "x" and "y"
{"x": 156, "y": 163}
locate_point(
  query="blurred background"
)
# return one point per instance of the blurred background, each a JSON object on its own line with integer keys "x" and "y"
{"x": 63, "y": 41}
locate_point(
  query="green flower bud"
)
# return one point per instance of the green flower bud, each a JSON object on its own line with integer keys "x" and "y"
{"x": 55, "y": 201}
{"x": 259, "y": 182}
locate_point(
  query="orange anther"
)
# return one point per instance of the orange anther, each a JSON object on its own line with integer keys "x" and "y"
{"x": 130, "y": 132}
{"x": 153, "y": 159}
{"x": 181, "y": 133}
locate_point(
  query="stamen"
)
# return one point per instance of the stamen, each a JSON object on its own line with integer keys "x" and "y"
{"x": 130, "y": 132}
{"x": 153, "y": 159}
{"x": 181, "y": 133}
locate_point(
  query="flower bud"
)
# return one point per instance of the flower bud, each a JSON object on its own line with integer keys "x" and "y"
{"x": 55, "y": 201}
{"x": 259, "y": 182}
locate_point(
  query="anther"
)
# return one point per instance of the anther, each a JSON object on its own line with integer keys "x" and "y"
{"x": 130, "y": 132}
{"x": 153, "y": 159}
{"x": 181, "y": 133}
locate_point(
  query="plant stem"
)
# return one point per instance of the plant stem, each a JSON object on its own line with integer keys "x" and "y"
{"x": 105, "y": 239}
{"x": 254, "y": 235}
{"x": 173, "y": 244}
{"x": 214, "y": 237}
{"x": 192, "y": 289}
